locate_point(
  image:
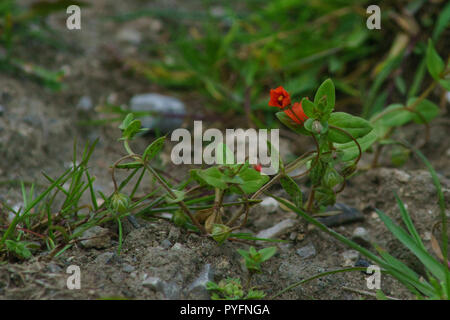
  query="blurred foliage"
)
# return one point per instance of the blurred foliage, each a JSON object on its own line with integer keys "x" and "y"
{"x": 21, "y": 26}
{"x": 233, "y": 52}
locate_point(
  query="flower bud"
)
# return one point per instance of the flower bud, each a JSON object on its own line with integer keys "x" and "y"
{"x": 331, "y": 177}
{"x": 317, "y": 127}
{"x": 179, "y": 218}
{"x": 220, "y": 232}
{"x": 325, "y": 197}
{"x": 120, "y": 202}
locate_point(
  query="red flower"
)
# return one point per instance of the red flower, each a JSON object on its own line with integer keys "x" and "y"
{"x": 257, "y": 167}
{"x": 296, "y": 114}
{"x": 279, "y": 98}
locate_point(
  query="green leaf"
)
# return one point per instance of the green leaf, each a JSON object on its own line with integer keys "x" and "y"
{"x": 292, "y": 189}
{"x": 19, "y": 248}
{"x": 267, "y": 253}
{"x": 132, "y": 129}
{"x": 326, "y": 90}
{"x": 396, "y": 264}
{"x": 399, "y": 155}
{"x": 308, "y": 124}
{"x": 224, "y": 155}
{"x": 130, "y": 165}
{"x": 291, "y": 124}
{"x": 212, "y": 177}
{"x": 380, "y": 129}
{"x": 408, "y": 222}
{"x": 244, "y": 253}
{"x": 435, "y": 64}
{"x": 394, "y": 116}
{"x": 445, "y": 83}
{"x": 179, "y": 196}
{"x": 350, "y": 150}
{"x": 355, "y": 126}
{"x": 154, "y": 148}
{"x": 252, "y": 180}
{"x": 308, "y": 108}
{"x": 400, "y": 84}
{"x": 429, "y": 262}
{"x": 442, "y": 22}
{"x": 427, "y": 109}
{"x": 331, "y": 177}
{"x": 126, "y": 122}
{"x": 317, "y": 171}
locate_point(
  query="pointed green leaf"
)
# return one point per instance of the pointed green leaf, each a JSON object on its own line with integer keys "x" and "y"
{"x": 427, "y": 109}
{"x": 252, "y": 180}
{"x": 355, "y": 126}
{"x": 267, "y": 253}
{"x": 292, "y": 189}
{"x": 429, "y": 262}
{"x": 325, "y": 95}
{"x": 224, "y": 155}
{"x": 308, "y": 108}
{"x": 394, "y": 115}
{"x": 350, "y": 150}
{"x": 435, "y": 63}
{"x": 154, "y": 148}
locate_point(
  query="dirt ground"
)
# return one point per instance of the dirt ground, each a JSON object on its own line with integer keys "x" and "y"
{"x": 38, "y": 128}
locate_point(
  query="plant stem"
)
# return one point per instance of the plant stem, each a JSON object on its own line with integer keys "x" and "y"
{"x": 310, "y": 199}
{"x": 354, "y": 140}
{"x": 293, "y": 165}
{"x": 323, "y": 274}
{"x": 172, "y": 194}
{"x": 132, "y": 155}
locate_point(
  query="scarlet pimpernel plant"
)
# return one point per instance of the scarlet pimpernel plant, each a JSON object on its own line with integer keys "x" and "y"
{"x": 340, "y": 139}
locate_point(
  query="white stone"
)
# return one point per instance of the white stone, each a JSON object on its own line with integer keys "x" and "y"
{"x": 276, "y": 230}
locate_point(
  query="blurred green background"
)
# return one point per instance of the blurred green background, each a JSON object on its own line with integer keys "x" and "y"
{"x": 228, "y": 54}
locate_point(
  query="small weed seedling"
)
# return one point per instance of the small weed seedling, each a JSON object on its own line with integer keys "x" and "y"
{"x": 254, "y": 259}
{"x": 231, "y": 288}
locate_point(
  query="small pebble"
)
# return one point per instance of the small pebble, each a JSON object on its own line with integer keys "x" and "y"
{"x": 166, "y": 113}
{"x": 128, "y": 268}
{"x": 130, "y": 36}
{"x": 361, "y": 236}
{"x": 174, "y": 234}
{"x": 269, "y": 204}
{"x": 307, "y": 251}
{"x": 85, "y": 103}
{"x": 362, "y": 263}
{"x": 54, "y": 268}
{"x": 350, "y": 257}
{"x": 153, "y": 283}
{"x": 104, "y": 258}
{"x": 197, "y": 289}
{"x": 347, "y": 215}
{"x": 166, "y": 244}
{"x": 96, "y": 237}
{"x": 276, "y": 230}
{"x": 177, "y": 246}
